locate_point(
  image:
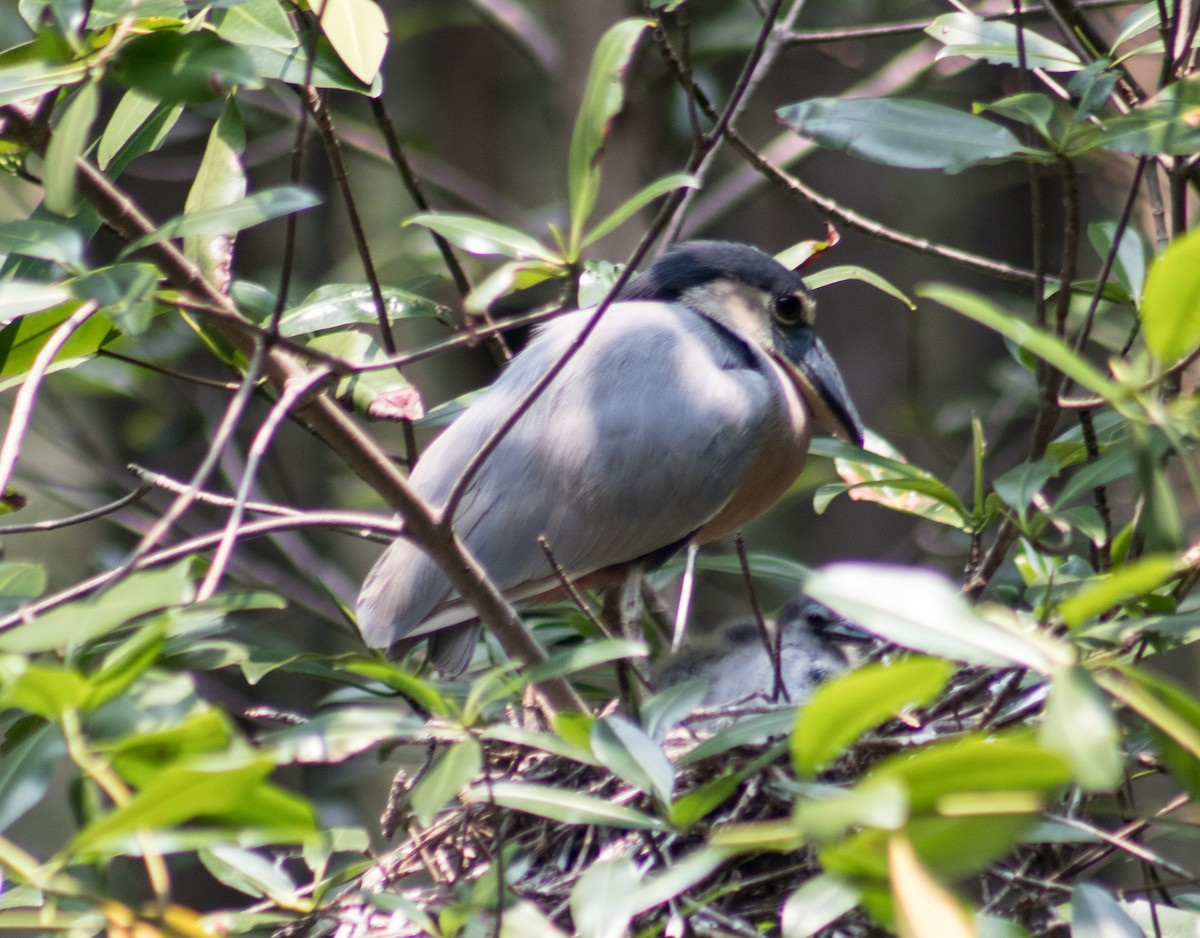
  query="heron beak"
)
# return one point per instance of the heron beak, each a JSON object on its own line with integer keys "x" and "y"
{"x": 807, "y": 360}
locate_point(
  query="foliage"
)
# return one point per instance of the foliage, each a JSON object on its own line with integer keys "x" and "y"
{"x": 175, "y": 714}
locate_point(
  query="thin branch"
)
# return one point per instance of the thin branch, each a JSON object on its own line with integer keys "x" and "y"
{"x": 323, "y": 120}
{"x": 90, "y": 515}
{"x": 292, "y": 393}
{"x": 22, "y": 410}
{"x": 168, "y": 372}
{"x": 158, "y": 480}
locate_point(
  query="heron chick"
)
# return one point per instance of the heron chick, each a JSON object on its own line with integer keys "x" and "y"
{"x": 687, "y": 412}
{"x": 736, "y": 666}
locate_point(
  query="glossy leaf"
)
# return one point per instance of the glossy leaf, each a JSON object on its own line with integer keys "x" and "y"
{"x": 1110, "y": 590}
{"x": 358, "y": 31}
{"x": 923, "y": 610}
{"x": 603, "y": 98}
{"x": 845, "y": 707}
{"x": 448, "y": 776}
{"x": 1171, "y": 298}
{"x": 139, "y": 125}
{"x": 637, "y": 202}
{"x": 819, "y": 901}
{"x": 569, "y": 807}
{"x": 480, "y": 236}
{"x": 380, "y": 394}
{"x": 257, "y": 23}
{"x": 624, "y": 748}
{"x": 849, "y": 272}
{"x": 1049, "y": 348}
{"x": 336, "y": 305}
{"x": 294, "y": 66}
{"x": 44, "y": 239}
{"x": 223, "y": 789}
{"x": 1032, "y": 108}
{"x": 601, "y": 904}
{"x": 1096, "y": 914}
{"x": 26, "y": 770}
{"x": 66, "y": 146}
{"x": 996, "y": 42}
{"x": 178, "y": 67}
{"x": 904, "y": 133}
{"x": 244, "y": 213}
{"x": 22, "y": 297}
{"x": 1079, "y": 725}
{"x": 45, "y": 690}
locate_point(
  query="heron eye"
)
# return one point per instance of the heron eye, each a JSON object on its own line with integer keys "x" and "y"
{"x": 787, "y": 309}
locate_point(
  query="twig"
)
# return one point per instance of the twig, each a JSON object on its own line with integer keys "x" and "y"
{"x": 90, "y": 515}
{"x": 774, "y": 648}
{"x": 569, "y": 588}
{"x": 158, "y": 480}
{"x": 168, "y": 372}
{"x": 292, "y": 393}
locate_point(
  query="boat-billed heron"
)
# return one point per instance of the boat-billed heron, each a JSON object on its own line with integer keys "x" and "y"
{"x": 687, "y": 412}
{"x": 735, "y": 665}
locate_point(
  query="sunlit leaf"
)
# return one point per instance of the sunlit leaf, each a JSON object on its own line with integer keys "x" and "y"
{"x": 22, "y": 297}
{"x": 358, "y": 31}
{"x": 845, "y": 707}
{"x": 220, "y": 181}
{"x": 818, "y": 902}
{"x": 996, "y": 42}
{"x": 1079, "y": 724}
{"x": 335, "y": 305}
{"x": 257, "y": 23}
{"x": 924, "y": 907}
{"x": 139, "y": 125}
{"x": 923, "y": 610}
{"x": 453, "y": 771}
{"x": 850, "y": 272}
{"x": 249, "y": 873}
{"x": 66, "y": 146}
{"x": 569, "y": 807}
{"x": 1171, "y": 298}
{"x": 480, "y": 236}
{"x": 382, "y": 394}
{"x": 603, "y": 98}
{"x": 1109, "y": 590}
{"x": 638, "y": 201}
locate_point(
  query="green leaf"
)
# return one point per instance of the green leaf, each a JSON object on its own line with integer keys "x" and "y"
{"x": 222, "y": 789}
{"x": 85, "y": 620}
{"x": 29, "y": 81}
{"x": 358, "y": 32}
{"x": 1078, "y": 724}
{"x": 830, "y": 275}
{"x": 1105, "y": 592}
{"x": 1019, "y": 486}
{"x": 22, "y": 297}
{"x": 1171, "y": 298}
{"x": 844, "y": 708}
{"x": 514, "y": 275}
{"x": 1163, "y": 126}
{"x": 818, "y": 902}
{"x": 141, "y": 755}
{"x": 20, "y": 581}
{"x": 683, "y": 874}
{"x": 903, "y": 133}
{"x": 1129, "y": 266}
{"x": 996, "y": 42}
{"x": 971, "y": 765}
{"x": 184, "y": 68}
{"x": 396, "y": 678}
{"x": 1032, "y": 108}
{"x": 603, "y": 98}
{"x": 1170, "y": 709}
{"x": 292, "y": 66}
{"x": 66, "y": 146}
{"x": 47, "y": 240}
{"x": 244, "y": 213}
{"x": 601, "y": 905}
{"x": 480, "y": 236}
{"x": 381, "y": 394}
{"x": 688, "y": 810}
{"x": 630, "y": 754}
{"x": 336, "y": 735}
{"x": 23, "y": 339}
{"x": 257, "y": 23}
{"x": 139, "y": 125}
{"x": 250, "y": 873}
{"x": 923, "y": 610}
{"x": 220, "y": 182}
{"x": 569, "y": 807}
{"x": 336, "y": 305}
{"x": 748, "y": 731}
{"x": 1047, "y": 347}
{"x": 638, "y": 201}
{"x": 1096, "y": 914}
{"x": 26, "y": 770}
{"x": 47, "y": 690}
{"x": 449, "y": 775}
{"x": 125, "y": 292}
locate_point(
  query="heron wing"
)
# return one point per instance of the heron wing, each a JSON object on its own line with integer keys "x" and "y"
{"x": 642, "y": 437}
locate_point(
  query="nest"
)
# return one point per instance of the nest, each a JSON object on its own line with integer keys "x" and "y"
{"x": 446, "y": 862}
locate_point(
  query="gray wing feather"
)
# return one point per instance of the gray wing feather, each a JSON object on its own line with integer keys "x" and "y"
{"x": 641, "y": 439}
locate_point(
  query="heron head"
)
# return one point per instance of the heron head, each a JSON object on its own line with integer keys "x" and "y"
{"x": 760, "y": 301}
